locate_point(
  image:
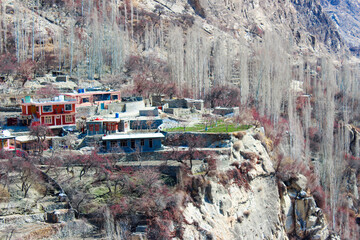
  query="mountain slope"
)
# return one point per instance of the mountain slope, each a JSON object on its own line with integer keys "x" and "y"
{"x": 345, "y": 13}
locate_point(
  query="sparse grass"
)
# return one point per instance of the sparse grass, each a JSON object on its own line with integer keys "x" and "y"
{"x": 199, "y": 173}
{"x": 220, "y": 127}
{"x": 99, "y": 191}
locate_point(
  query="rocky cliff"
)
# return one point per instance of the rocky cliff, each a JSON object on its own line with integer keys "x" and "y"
{"x": 260, "y": 206}
{"x": 345, "y": 14}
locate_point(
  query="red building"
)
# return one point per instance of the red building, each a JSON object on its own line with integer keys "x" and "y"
{"x": 55, "y": 112}
{"x": 88, "y": 97}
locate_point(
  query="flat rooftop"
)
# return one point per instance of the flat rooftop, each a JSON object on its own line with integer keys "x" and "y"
{"x": 48, "y": 101}
{"x": 133, "y": 136}
{"x": 91, "y": 93}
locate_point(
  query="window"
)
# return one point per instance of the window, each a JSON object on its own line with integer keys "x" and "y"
{"x": 132, "y": 143}
{"x": 142, "y": 142}
{"x": 91, "y": 127}
{"x": 84, "y": 100}
{"x": 114, "y": 144}
{"x": 68, "y": 107}
{"x": 150, "y": 143}
{"x": 115, "y": 97}
{"x": 123, "y": 143}
{"x": 68, "y": 118}
{"x": 97, "y": 127}
{"x": 37, "y": 109}
{"x": 48, "y": 120}
{"x": 47, "y": 108}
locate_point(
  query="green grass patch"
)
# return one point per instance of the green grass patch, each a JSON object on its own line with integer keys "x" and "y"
{"x": 221, "y": 127}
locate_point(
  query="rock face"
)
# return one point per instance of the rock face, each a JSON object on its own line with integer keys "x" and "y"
{"x": 302, "y": 217}
{"x": 305, "y": 20}
{"x": 259, "y": 211}
{"x": 345, "y": 14}
{"x": 318, "y": 23}
{"x": 237, "y": 213}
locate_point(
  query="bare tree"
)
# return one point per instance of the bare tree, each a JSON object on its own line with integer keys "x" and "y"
{"x": 39, "y": 132}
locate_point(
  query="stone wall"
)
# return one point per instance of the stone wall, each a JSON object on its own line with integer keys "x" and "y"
{"x": 224, "y": 111}
{"x": 177, "y": 111}
{"x": 176, "y": 103}
{"x": 187, "y": 138}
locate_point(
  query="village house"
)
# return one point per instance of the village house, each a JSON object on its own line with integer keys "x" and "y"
{"x": 142, "y": 142}
{"x": 7, "y": 142}
{"x": 25, "y": 143}
{"x": 56, "y": 112}
{"x": 91, "y": 96}
{"x": 28, "y": 143}
{"x": 102, "y": 125}
{"x": 110, "y": 125}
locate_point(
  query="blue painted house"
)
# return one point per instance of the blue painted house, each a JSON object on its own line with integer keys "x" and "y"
{"x": 143, "y": 142}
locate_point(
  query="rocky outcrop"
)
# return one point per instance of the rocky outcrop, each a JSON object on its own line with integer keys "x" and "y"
{"x": 302, "y": 217}
{"x": 345, "y": 14}
{"x": 259, "y": 210}
{"x": 318, "y": 23}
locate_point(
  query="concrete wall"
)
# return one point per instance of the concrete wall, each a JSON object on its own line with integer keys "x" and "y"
{"x": 177, "y": 111}
{"x": 134, "y": 106}
{"x": 149, "y": 112}
{"x": 145, "y": 124}
{"x": 116, "y": 107}
{"x": 225, "y": 111}
{"x": 156, "y": 101}
{"x": 86, "y": 111}
{"x": 176, "y": 103}
{"x": 187, "y": 138}
{"x": 198, "y": 105}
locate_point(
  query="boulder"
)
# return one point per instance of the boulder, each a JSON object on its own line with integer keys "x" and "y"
{"x": 239, "y": 135}
{"x": 299, "y": 183}
{"x": 60, "y": 215}
{"x": 238, "y": 145}
{"x": 309, "y": 219}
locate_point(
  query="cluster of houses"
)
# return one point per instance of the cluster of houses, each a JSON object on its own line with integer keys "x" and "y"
{"x": 122, "y": 124}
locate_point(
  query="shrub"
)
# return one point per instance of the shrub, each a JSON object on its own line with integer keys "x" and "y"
{"x": 223, "y": 96}
{"x": 212, "y": 163}
{"x": 239, "y": 175}
{"x": 159, "y": 229}
{"x": 266, "y": 142}
{"x": 274, "y": 132}
{"x": 250, "y": 156}
{"x": 246, "y": 213}
{"x": 319, "y": 196}
{"x": 239, "y": 135}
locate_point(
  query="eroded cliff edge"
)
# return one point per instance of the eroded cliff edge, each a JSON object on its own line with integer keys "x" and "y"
{"x": 245, "y": 200}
